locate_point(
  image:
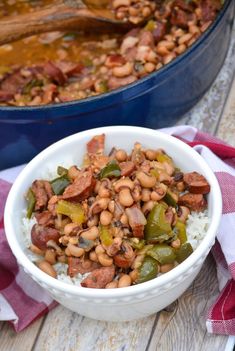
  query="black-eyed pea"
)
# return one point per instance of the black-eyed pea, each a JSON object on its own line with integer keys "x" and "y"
{"x": 67, "y": 252}
{"x": 146, "y": 11}
{"x": 106, "y": 217}
{"x": 112, "y": 285}
{"x": 91, "y": 233}
{"x": 50, "y": 256}
{"x": 73, "y": 172}
{"x": 105, "y": 260}
{"x": 137, "y": 262}
{"x": 121, "y": 155}
{"x": 146, "y": 180}
{"x": 93, "y": 256}
{"x": 93, "y": 221}
{"x": 148, "y": 206}
{"x": 180, "y": 49}
{"x": 134, "y": 275}
{"x": 99, "y": 250}
{"x": 166, "y": 267}
{"x": 36, "y": 250}
{"x": 124, "y": 281}
{"x": 125, "y": 197}
{"x": 70, "y": 228}
{"x": 75, "y": 250}
{"x": 151, "y": 154}
{"x": 123, "y": 71}
{"x": 111, "y": 206}
{"x": 123, "y": 183}
{"x": 124, "y": 219}
{"x": 145, "y": 196}
{"x": 180, "y": 186}
{"x": 185, "y": 38}
{"x": 168, "y": 58}
{"x": 46, "y": 267}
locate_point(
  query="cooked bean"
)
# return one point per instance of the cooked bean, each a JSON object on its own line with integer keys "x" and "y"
{"x": 180, "y": 49}
{"x": 185, "y": 38}
{"x": 147, "y": 207}
{"x": 137, "y": 262}
{"x": 50, "y": 256}
{"x": 146, "y": 11}
{"x": 146, "y": 180}
{"x": 176, "y": 244}
{"x": 112, "y": 285}
{"x": 124, "y": 183}
{"x": 111, "y": 206}
{"x": 75, "y": 250}
{"x": 62, "y": 259}
{"x": 149, "y": 67}
{"x": 90, "y": 234}
{"x": 134, "y": 275}
{"x": 99, "y": 205}
{"x": 105, "y": 260}
{"x": 99, "y": 250}
{"x": 123, "y": 71}
{"x": 184, "y": 213}
{"x": 169, "y": 45}
{"x": 106, "y": 217}
{"x": 136, "y": 193}
{"x": 162, "y": 50}
{"x": 121, "y": 155}
{"x": 93, "y": 221}
{"x": 93, "y": 256}
{"x": 36, "y": 250}
{"x": 125, "y": 197}
{"x": 146, "y": 193}
{"x": 124, "y": 281}
{"x": 180, "y": 186}
{"x": 104, "y": 189}
{"x": 168, "y": 58}
{"x": 166, "y": 267}
{"x": 151, "y": 154}
{"x": 70, "y": 228}
{"x": 124, "y": 219}
{"x": 47, "y": 268}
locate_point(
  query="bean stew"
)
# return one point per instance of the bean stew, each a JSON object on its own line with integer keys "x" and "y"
{"x": 60, "y": 67}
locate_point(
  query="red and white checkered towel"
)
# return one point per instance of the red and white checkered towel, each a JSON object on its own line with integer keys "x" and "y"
{"x": 22, "y": 300}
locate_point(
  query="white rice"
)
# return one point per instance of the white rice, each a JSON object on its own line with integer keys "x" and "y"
{"x": 196, "y": 227}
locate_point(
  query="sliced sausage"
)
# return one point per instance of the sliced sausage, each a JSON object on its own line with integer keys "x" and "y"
{"x": 43, "y": 192}
{"x": 96, "y": 144}
{"x": 45, "y": 218}
{"x": 99, "y": 278}
{"x": 127, "y": 168}
{"x": 136, "y": 221}
{"x": 81, "y": 188}
{"x": 196, "y": 183}
{"x": 78, "y": 265}
{"x": 40, "y": 235}
{"x": 195, "y": 202}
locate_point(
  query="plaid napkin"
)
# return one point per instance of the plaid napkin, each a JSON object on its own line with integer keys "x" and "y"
{"x": 22, "y": 300}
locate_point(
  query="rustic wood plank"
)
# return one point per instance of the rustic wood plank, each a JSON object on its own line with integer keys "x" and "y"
{"x": 226, "y": 128}
{"x": 67, "y": 331}
{"x": 207, "y": 113}
{"x": 23, "y": 341}
{"x": 182, "y": 326}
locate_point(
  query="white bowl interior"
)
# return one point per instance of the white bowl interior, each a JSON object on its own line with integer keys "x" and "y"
{"x": 70, "y": 151}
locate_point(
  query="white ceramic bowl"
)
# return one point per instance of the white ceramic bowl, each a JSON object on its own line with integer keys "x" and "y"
{"x": 113, "y": 304}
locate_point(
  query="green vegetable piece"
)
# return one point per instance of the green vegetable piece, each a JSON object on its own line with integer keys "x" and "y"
{"x": 33, "y": 83}
{"x": 155, "y": 173}
{"x": 169, "y": 198}
{"x": 157, "y": 228}
{"x": 59, "y": 184}
{"x": 163, "y": 253}
{"x": 150, "y": 25}
{"x": 148, "y": 270}
{"x": 112, "y": 169}
{"x": 61, "y": 171}
{"x": 183, "y": 252}
{"x": 105, "y": 235}
{"x": 180, "y": 230}
{"x": 164, "y": 158}
{"x": 136, "y": 243}
{"x": 74, "y": 211}
{"x": 31, "y": 200}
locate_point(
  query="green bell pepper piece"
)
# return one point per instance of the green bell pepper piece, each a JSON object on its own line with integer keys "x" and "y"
{"x": 169, "y": 199}
{"x": 163, "y": 253}
{"x": 180, "y": 230}
{"x": 31, "y": 200}
{"x": 61, "y": 171}
{"x": 112, "y": 169}
{"x": 74, "y": 211}
{"x": 183, "y": 252}
{"x": 148, "y": 270}
{"x": 59, "y": 184}
{"x": 136, "y": 243}
{"x": 157, "y": 228}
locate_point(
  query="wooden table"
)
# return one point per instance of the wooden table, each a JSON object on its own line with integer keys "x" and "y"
{"x": 181, "y": 326}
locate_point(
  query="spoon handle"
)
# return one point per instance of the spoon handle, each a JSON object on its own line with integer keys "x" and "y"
{"x": 53, "y": 18}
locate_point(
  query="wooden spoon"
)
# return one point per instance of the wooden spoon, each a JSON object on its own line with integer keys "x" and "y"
{"x": 66, "y": 15}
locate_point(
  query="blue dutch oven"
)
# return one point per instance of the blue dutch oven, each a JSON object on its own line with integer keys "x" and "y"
{"x": 155, "y": 101}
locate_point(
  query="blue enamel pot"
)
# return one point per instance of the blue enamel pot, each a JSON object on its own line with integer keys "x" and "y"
{"x": 155, "y": 101}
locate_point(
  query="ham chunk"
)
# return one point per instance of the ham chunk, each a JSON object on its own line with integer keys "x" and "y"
{"x": 96, "y": 144}
{"x": 136, "y": 220}
{"x": 81, "y": 188}
{"x": 77, "y": 265}
{"x": 40, "y": 235}
{"x": 42, "y": 192}
{"x": 99, "y": 278}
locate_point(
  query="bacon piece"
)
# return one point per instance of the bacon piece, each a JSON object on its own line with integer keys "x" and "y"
{"x": 159, "y": 31}
{"x": 127, "y": 168}
{"x": 179, "y": 18}
{"x": 115, "y": 61}
{"x": 70, "y": 68}
{"x": 45, "y": 218}
{"x": 54, "y": 73}
{"x": 43, "y": 192}
{"x": 40, "y": 235}
{"x": 146, "y": 39}
{"x": 136, "y": 220}
{"x": 96, "y": 144}
{"x": 99, "y": 278}
{"x": 196, "y": 183}
{"x": 77, "y": 265}
{"x": 195, "y": 202}
{"x": 14, "y": 82}
{"x": 81, "y": 188}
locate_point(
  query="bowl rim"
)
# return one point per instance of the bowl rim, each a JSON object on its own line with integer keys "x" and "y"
{"x": 139, "y": 82}
{"x": 155, "y": 283}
